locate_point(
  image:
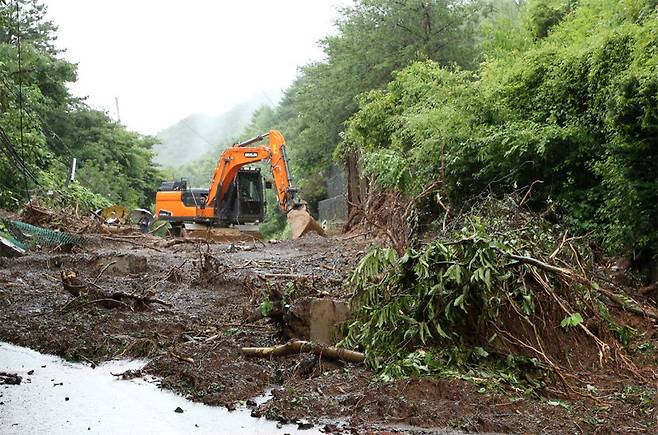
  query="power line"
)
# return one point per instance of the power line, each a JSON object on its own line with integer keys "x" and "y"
{"x": 196, "y": 133}
{"x": 20, "y": 94}
{"x": 34, "y": 116}
{"x": 13, "y": 156}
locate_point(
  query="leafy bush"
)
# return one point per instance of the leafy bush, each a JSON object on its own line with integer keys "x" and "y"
{"x": 56, "y": 194}
{"x": 578, "y": 110}
{"x": 505, "y": 299}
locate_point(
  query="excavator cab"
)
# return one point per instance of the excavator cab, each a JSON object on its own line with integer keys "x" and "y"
{"x": 244, "y": 201}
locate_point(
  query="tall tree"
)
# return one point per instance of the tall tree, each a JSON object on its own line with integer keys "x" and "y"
{"x": 575, "y": 109}
{"x": 374, "y": 39}
{"x": 42, "y": 126}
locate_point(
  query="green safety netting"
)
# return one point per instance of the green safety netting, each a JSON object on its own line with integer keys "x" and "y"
{"x": 26, "y": 235}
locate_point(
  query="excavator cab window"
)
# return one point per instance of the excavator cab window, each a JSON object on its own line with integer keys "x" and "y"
{"x": 194, "y": 197}
{"x": 244, "y": 200}
{"x": 249, "y": 189}
{"x": 173, "y": 185}
{"x": 250, "y": 198}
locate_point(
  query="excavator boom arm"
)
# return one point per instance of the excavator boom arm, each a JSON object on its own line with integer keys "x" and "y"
{"x": 244, "y": 153}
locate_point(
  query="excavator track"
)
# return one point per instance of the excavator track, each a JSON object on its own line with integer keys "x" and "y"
{"x": 239, "y": 233}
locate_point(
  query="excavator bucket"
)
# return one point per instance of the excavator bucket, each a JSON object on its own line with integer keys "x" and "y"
{"x": 301, "y": 222}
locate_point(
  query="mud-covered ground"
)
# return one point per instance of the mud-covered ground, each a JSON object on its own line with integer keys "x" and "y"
{"x": 194, "y": 345}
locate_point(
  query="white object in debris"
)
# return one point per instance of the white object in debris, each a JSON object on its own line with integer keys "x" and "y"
{"x": 9, "y": 249}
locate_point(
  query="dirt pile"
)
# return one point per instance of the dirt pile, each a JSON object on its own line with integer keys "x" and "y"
{"x": 510, "y": 302}
{"x": 508, "y": 295}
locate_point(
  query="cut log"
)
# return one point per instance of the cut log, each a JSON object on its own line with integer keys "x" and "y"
{"x": 299, "y": 346}
{"x": 314, "y": 319}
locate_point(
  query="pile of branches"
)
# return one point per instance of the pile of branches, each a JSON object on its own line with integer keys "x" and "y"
{"x": 509, "y": 297}
{"x": 391, "y": 215}
{"x": 68, "y": 219}
{"x": 88, "y": 292}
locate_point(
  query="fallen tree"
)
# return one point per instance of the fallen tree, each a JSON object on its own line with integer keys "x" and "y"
{"x": 509, "y": 297}
{"x": 299, "y": 346}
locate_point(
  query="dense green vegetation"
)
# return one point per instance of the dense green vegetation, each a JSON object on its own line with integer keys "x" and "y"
{"x": 43, "y": 126}
{"x": 489, "y": 95}
{"x": 576, "y": 110}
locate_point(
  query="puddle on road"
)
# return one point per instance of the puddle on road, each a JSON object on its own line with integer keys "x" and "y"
{"x": 100, "y": 403}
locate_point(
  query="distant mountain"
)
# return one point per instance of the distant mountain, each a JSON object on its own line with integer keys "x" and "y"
{"x": 192, "y": 137}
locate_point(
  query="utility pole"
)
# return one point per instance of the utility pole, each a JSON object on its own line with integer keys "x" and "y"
{"x": 71, "y": 176}
{"x": 20, "y": 93}
{"x": 116, "y": 102}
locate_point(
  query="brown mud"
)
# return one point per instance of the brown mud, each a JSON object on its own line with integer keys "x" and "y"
{"x": 194, "y": 345}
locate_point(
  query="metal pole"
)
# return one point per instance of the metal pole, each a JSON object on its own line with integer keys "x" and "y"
{"x": 72, "y": 171}
{"x": 116, "y": 102}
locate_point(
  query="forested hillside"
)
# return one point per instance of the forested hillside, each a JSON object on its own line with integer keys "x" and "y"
{"x": 490, "y": 97}
{"x": 479, "y": 96}
{"x": 196, "y": 135}
{"x": 42, "y": 126}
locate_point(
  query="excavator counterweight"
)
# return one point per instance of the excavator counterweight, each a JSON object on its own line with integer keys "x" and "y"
{"x": 236, "y": 194}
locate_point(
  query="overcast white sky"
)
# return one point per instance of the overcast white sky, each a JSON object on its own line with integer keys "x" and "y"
{"x": 167, "y": 59}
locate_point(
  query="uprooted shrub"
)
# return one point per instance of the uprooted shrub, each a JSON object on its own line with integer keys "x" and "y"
{"x": 510, "y": 304}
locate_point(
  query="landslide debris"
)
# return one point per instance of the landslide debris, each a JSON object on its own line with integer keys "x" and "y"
{"x": 49, "y": 301}
{"x": 509, "y": 301}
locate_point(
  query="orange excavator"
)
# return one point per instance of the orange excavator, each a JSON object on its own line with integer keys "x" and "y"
{"x": 236, "y": 195}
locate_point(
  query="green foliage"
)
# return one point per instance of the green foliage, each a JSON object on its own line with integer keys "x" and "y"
{"x": 113, "y": 161}
{"x": 503, "y": 33}
{"x": 266, "y": 307}
{"x": 56, "y": 127}
{"x": 464, "y": 307}
{"x": 159, "y": 228}
{"x": 572, "y": 320}
{"x": 623, "y": 333}
{"x": 71, "y": 195}
{"x": 576, "y": 109}
{"x": 543, "y": 15}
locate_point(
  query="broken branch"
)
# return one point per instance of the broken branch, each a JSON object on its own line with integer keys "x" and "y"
{"x": 299, "y": 346}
